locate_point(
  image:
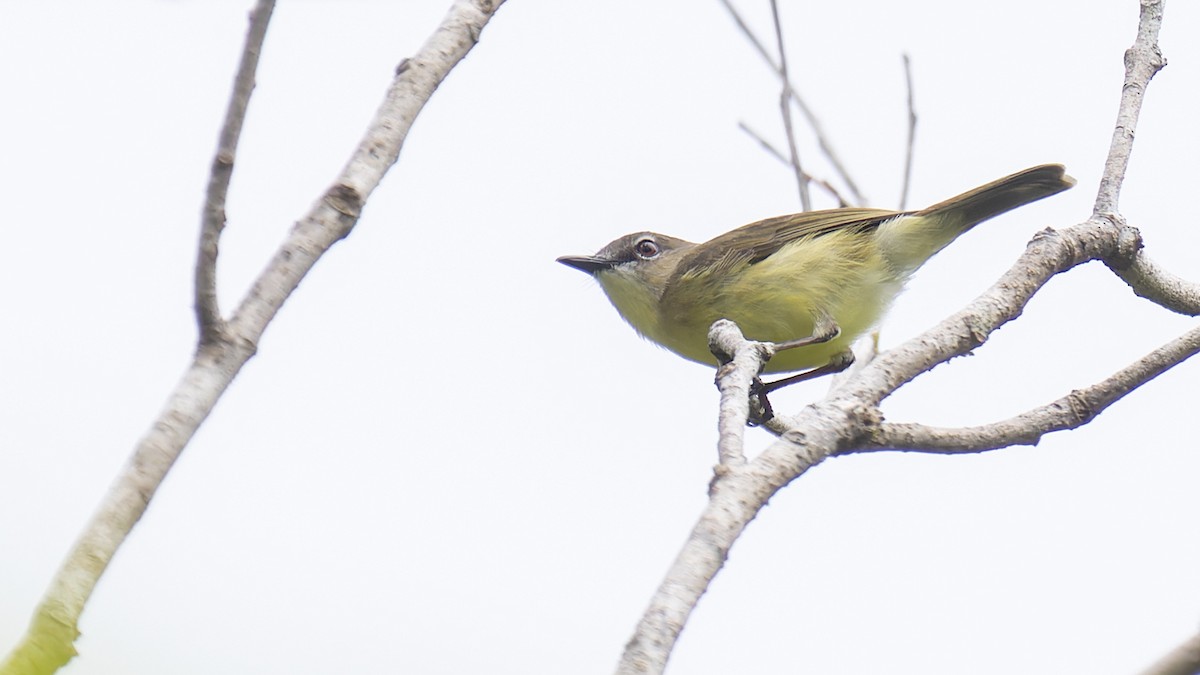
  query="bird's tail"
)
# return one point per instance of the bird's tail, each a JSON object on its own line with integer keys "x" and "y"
{"x": 908, "y": 241}
{"x": 1005, "y": 194}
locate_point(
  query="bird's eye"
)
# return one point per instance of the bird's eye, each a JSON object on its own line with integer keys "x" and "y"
{"x": 646, "y": 249}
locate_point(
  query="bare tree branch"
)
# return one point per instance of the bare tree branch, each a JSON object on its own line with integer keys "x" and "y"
{"x": 736, "y": 495}
{"x": 822, "y": 138}
{"x": 912, "y": 134}
{"x": 1048, "y": 254}
{"x": 1150, "y": 281}
{"x": 1142, "y": 61}
{"x": 1069, "y": 412}
{"x": 774, "y": 152}
{"x": 208, "y": 313}
{"x": 741, "y": 360}
{"x": 785, "y": 109}
{"x": 47, "y": 644}
{"x": 766, "y": 145}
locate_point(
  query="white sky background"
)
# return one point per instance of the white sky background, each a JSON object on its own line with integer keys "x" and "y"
{"x": 356, "y": 506}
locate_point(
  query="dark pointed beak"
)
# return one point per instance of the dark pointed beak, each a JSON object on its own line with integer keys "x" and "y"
{"x": 586, "y": 263}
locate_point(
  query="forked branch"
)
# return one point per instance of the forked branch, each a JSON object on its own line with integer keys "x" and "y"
{"x": 212, "y": 223}
{"x": 48, "y": 642}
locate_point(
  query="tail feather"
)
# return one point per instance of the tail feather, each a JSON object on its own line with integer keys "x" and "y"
{"x": 1004, "y": 194}
{"x": 912, "y": 238}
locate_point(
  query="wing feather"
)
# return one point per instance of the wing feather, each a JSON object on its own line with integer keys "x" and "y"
{"x": 752, "y": 243}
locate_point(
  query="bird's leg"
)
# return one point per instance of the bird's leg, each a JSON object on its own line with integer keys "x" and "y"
{"x": 824, "y": 330}
{"x": 760, "y": 406}
{"x": 761, "y": 411}
{"x": 837, "y": 363}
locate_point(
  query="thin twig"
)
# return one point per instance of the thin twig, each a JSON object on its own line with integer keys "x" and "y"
{"x": 912, "y": 133}
{"x": 774, "y": 152}
{"x": 1069, "y": 412}
{"x": 745, "y": 28}
{"x": 822, "y": 138}
{"x": 766, "y": 145}
{"x": 785, "y": 108}
{"x": 1142, "y": 61}
{"x": 208, "y": 313}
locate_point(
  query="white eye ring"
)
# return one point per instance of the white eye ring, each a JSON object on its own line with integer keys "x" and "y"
{"x": 646, "y": 249}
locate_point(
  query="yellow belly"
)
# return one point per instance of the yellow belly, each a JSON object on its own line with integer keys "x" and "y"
{"x": 774, "y": 300}
{"x": 779, "y": 316}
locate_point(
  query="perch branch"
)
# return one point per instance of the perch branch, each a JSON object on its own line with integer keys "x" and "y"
{"x": 741, "y": 361}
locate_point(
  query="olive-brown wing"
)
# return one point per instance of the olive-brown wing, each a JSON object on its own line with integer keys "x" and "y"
{"x": 751, "y": 243}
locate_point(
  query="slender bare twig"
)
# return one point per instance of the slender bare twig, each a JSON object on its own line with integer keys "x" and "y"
{"x": 774, "y": 152}
{"x": 48, "y": 642}
{"x": 1069, "y": 412}
{"x": 785, "y": 109}
{"x": 745, "y": 28}
{"x": 828, "y": 187}
{"x": 208, "y": 313}
{"x": 912, "y": 133}
{"x": 815, "y": 124}
{"x": 1142, "y": 61}
{"x": 766, "y": 145}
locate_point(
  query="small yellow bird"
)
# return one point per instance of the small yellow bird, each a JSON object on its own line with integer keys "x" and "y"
{"x": 825, "y": 274}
